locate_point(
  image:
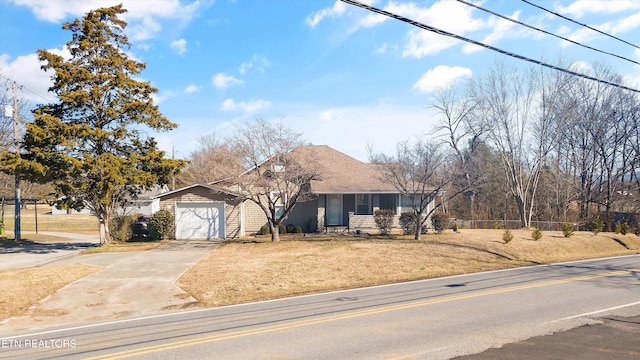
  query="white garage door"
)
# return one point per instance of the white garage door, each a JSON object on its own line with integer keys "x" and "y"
{"x": 200, "y": 220}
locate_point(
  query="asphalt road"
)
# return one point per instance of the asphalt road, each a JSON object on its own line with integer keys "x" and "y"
{"x": 435, "y": 319}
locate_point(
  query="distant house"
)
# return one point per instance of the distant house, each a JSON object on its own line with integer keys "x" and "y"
{"x": 145, "y": 204}
{"x": 344, "y": 199}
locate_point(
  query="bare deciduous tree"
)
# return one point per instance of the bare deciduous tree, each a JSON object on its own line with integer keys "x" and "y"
{"x": 280, "y": 169}
{"x": 214, "y": 160}
{"x": 420, "y": 171}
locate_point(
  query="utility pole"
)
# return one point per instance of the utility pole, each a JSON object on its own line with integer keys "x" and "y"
{"x": 16, "y": 143}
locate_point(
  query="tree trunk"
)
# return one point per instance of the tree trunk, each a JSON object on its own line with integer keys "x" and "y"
{"x": 275, "y": 231}
{"x": 418, "y": 225}
{"x": 103, "y": 232}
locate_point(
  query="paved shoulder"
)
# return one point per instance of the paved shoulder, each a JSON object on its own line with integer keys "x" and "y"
{"x": 615, "y": 338}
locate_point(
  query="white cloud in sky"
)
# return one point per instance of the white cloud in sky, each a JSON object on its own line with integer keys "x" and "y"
{"x": 445, "y": 15}
{"x": 502, "y": 28}
{"x": 619, "y": 26}
{"x": 441, "y": 76}
{"x": 329, "y": 115}
{"x": 258, "y": 62}
{"x": 244, "y": 106}
{"x": 144, "y": 20}
{"x": 191, "y": 88}
{"x": 223, "y": 81}
{"x": 581, "y": 7}
{"x": 180, "y": 46}
{"x": 337, "y": 9}
{"x": 25, "y": 70}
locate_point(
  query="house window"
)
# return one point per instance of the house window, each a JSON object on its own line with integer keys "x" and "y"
{"x": 388, "y": 202}
{"x": 278, "y": 200}
{"x": 363, "y": 204}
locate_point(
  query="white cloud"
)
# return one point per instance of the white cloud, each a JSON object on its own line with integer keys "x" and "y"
{"x": 445, "y": 15}
{"x": 191, "y": 88}
{"x": 158, "y": 98}
{"x": 613, "y": 27}
{"x": 180, "y": 46}
{"x": 337, "y": 9}
{"x": 223, "y": 81}
{"x": 259, "y": 62}
{"x": 144, "y": 20}
{"x": 25, "y": 70}
{"x": 330, "y": 114}
{"x": 581, "y": 67}
{"x": 244, "y": 106}
{"x": 441, "y": 76}
{"x": 581, "y": 7}
{"x": 502, "y": 28}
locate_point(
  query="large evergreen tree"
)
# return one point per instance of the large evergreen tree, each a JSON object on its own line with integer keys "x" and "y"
{"x": 91, "y": 144}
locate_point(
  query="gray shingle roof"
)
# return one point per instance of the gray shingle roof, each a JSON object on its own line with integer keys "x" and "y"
{"x": 343, "y": 174}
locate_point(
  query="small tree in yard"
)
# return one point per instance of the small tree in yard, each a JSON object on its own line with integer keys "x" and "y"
{"x": 280, "y": 170}
{"x": 384, "y": 220}
{"x": 536, "y": 234}
{"x": 440, "y": 221}
{"x": 420, "y": 171}
{"x": 89, "y": 145}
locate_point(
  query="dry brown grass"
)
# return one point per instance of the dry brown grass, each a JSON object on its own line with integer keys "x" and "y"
{"x": 239, "y": 272}
{"x": 123, "y": 247}
{"x": 75, "y": 223}
{"x": 22, "y": 288}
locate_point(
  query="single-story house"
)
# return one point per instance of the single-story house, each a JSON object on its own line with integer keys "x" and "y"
{"x": 345, "y": 198}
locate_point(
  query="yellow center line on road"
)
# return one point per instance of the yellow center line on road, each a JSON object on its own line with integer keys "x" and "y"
{"x": 324, "y": 319}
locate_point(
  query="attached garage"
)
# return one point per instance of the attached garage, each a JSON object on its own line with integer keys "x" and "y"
{"x": 203, "y": 211}
{"x": 200, "y": 220}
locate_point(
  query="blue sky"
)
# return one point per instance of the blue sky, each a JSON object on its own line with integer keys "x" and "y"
{"x": 342, "y": 76}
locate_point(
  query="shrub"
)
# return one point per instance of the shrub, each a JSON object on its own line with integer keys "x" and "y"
{"x": 264, "y": 230}
{"x": 507, "y": 236}
{"x": 536, "y": 234}
{"x": 455, "y": 226}
{"x": 440, "y": 221}
{"x": 121, "y": 227}
{"x": 567, "y": 229}
{"x": 298, "y": 229}
{"x": 636, "y": 230}
{"x": 617, "y": 227}
{"x": 407, "y": 223}
{"x": 497, "y": 225}
{"x": 282, "y": 229}
{"x": 160, "y": 225}
{"x": 384, "y": 220}
{"x": 624, "y": 228}
{"x": 291, "y": 229}
{"x": 597, "y": 226}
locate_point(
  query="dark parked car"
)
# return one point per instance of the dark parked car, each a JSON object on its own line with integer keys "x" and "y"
{"x": 141, "y": 226}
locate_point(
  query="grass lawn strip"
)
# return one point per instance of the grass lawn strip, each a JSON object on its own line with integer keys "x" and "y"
{"x": 240, "y": 272}
{"x": 23, "y": 288}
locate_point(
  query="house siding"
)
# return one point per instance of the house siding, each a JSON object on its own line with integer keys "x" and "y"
{"x": 254, "y": 217}
{"x": 305, "y": 215}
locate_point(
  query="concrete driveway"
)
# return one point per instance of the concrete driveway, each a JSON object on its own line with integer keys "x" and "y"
{"x": 39, "y": 254}
{"x": 131, "y": 284}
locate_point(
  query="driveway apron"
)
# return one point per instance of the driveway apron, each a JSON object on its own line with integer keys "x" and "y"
{"x": 130, "y": 285}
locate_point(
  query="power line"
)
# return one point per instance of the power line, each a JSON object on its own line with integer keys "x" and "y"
{"x": 546, "y": 32}
{"x": 514, "y": 55}
{"x": 579, "y": 23}
{"x": 23, "y": 87}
